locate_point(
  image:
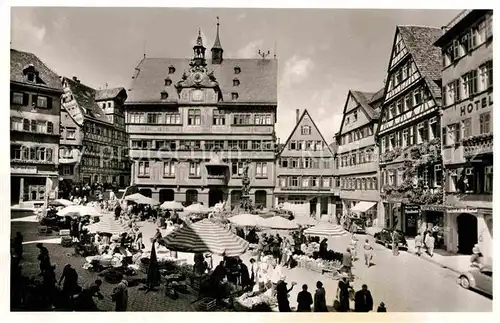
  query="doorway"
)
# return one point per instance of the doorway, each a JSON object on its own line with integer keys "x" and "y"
{"x": 146, "y": 192}
{"x": 261, "y": 199}
{"x": 312, "y": 206}
{"x": 15, "y": 190}
{"x": 166, "y": 195}
{"x": 215, "y": 196}
{"x": 467, "y": 233}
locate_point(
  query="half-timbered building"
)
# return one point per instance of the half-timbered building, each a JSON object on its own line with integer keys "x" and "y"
{"x": 408, "y": 135}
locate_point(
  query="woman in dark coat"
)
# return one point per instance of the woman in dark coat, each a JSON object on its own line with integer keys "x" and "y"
{"x": 282, "y": 296}
{"x": 244, "y": 274}
{"x": 320, "y": 298}
{"x": 343, "y": 295}
{"x": 304, "y": 300}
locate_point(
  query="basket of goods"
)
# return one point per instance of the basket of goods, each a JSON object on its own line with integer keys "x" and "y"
{"x": 66, "y": 241}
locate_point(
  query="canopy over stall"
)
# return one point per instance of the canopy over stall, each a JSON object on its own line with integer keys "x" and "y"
{"x": 363, "y": 206}
{"x": 326, "y": 229}
{"x": 278, "y": 222}
{"x": 172, "y": 205}
{"x": 141, "y": 199}
{"x": 79, "y": 211}
{"x": 108, "y": 225}
{"x": 247, "y": 220}
{"x": 197, "y": 208}
{"x": 206, "y": 236}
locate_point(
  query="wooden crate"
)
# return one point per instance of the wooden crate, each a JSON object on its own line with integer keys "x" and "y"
{"x": 206, "y": 304}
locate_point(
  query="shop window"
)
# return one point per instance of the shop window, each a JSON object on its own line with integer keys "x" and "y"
{"x": 488, "y": 179}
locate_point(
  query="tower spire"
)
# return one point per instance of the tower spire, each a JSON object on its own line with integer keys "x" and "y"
{"x": 217, "y": 48}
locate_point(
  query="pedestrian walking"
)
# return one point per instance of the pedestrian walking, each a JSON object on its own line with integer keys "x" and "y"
{"x": 343, "y": 291}
{"x": 120, "y": 296}
{"x": 429, "y": 243}
{"x": 118, "y": 211}
{"x": 418, "y": 245}
{"x": 381, "y": 307}
{"x": 363, "y": 301}
{"x": 43, "y": 257}
{"x": 320, "y": 298}
{"x": 347, "y": 262}
{"x": 368, "y": 249}
{"x": 253, "y": 272}
{"x": 395, "y": 245}
{"x": 353, "y": 245}
{"x": 304, "y": 300}
{"x": 70, "y": 286}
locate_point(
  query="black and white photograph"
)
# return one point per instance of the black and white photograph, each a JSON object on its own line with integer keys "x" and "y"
{"x": 183, "y": 159}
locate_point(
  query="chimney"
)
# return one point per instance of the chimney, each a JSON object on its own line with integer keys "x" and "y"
{"x": 297, "y": 115}
{"x": 76, "y": 79}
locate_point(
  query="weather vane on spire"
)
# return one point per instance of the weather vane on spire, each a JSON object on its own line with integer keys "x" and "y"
{"x": 263, "y": 54}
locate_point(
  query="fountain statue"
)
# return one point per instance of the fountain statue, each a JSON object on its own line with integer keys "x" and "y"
{"x": 246, "y": 202}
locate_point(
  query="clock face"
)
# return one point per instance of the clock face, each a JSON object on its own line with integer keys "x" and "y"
{"x": 197, "y": 77}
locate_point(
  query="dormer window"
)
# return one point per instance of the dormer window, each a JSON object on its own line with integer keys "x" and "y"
{"x": 164, "y": 95}
{"x": 171, "y": 69}
{"x": 30, "y": 73}
{"x": 237, "y": 70}
{"x": 236, "y": 82}
{"x": 168, "y": 82}
{"x": 234, "y": 96}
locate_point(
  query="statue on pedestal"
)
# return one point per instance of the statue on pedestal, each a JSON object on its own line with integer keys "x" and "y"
{"x": 246, "y": 203}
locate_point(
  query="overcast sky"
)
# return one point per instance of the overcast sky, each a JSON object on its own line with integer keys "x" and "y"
{"x": 322, "y": 53}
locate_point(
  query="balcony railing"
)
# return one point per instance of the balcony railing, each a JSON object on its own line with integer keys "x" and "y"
{"x": 478, "y": 145}
{"x": 300, "y": 188}
{"x": 216, "y": 180}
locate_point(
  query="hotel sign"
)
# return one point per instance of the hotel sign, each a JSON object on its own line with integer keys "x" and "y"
{"x": 482, "y": 101}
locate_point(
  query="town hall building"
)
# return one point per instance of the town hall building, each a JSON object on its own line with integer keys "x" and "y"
{"x": 196, "y": 124}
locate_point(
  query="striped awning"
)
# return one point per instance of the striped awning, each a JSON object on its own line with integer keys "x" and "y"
{"x": 205, "y": 236}
{"x": 108, "y": 225}
{"x": 326, "y": 229}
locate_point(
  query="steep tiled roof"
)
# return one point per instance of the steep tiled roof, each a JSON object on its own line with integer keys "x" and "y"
{"x": 108, "y": 94}
{"x": 297, "y": 126}
{"x": 258, "y": 79}
{"x": 20, "y": 60}
{"x": 419, "y": 40}
{"x": 379, "y": 95}
{"x": 363, "y": 99}
{"x": 85, "y": 97}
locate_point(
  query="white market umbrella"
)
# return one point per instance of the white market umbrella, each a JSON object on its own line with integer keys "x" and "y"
{"x": 141, "y": 199}
{"x": 304, "y": 221}
{"x": 247, "y": 220}
{"x": 280, "y": 223}
{"x": 61, "y": 202}
{"x": 326, "y": 229}
{"x": 197, "y": 208}
{"x": 172, "y": 205}
{"x": 79, "y": 211}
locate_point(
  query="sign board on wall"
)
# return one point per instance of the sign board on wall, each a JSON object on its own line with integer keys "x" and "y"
{"x": 412, "y": 214}
{"x": 23, "y": 169}
{"x": 477, "y": 103}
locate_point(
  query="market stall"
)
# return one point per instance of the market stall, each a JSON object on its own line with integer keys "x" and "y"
{"x": 172, "y": 205}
